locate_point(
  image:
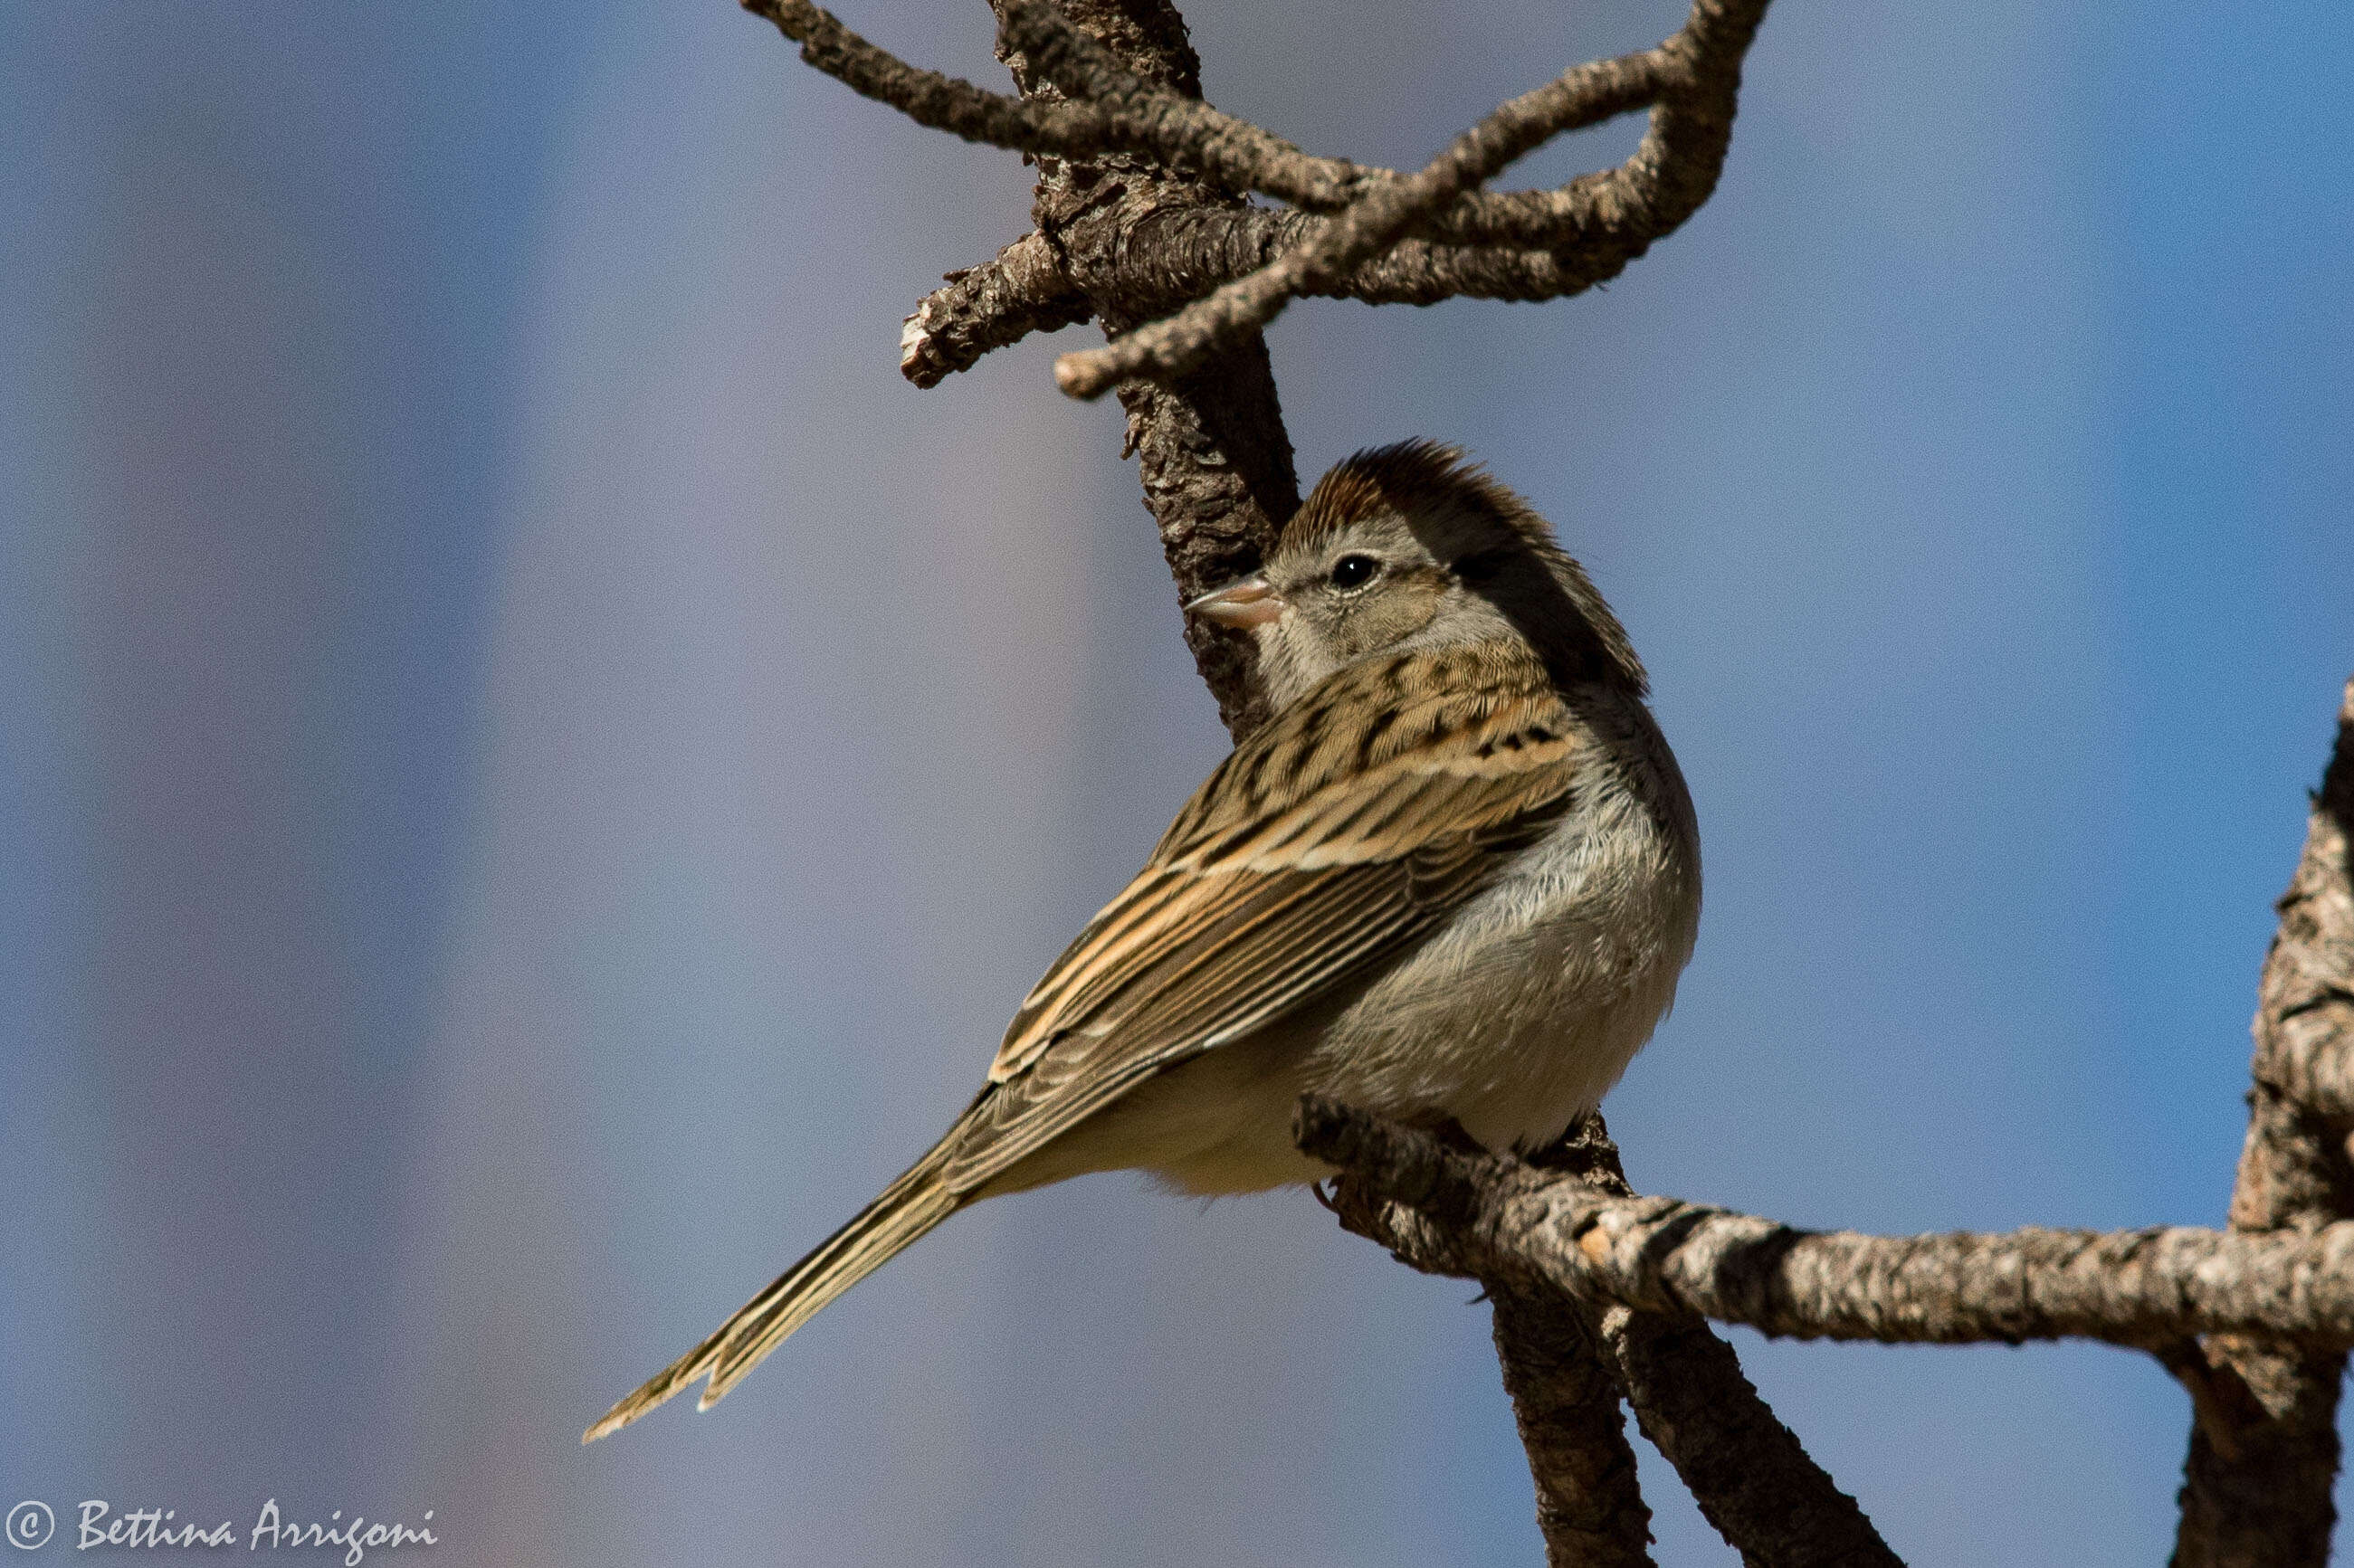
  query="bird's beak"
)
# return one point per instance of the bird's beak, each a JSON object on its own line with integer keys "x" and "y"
{"x": 1243, "y": 603}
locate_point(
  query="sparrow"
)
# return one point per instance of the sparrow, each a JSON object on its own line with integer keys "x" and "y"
{"x": 1454, "y": 876}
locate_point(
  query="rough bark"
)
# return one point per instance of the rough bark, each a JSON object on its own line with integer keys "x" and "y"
{"x": 2264, "y": 1439}
{"x": 1107, "y": 88}
{"x": 1238, "y": 309}
{"x": 1210, "y": 446}
{"x": 1566, "y": 1397}
{"x": 1751, "y": 1477}
{"x": 1481, "y": 1216}
{"x": 1590, "y": 1505}
{"x": 1213, "y": 454}
{"x": 989, "y": 306}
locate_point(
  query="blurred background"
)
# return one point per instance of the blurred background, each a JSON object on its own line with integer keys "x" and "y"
{"x": 534, "y": 767}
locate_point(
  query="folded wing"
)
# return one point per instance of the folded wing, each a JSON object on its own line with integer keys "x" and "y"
{"x": 1324, "y": 845}
{"x": 1315, "y": 852}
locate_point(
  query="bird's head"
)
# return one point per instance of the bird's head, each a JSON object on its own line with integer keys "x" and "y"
{"x": 1411, "y": 546}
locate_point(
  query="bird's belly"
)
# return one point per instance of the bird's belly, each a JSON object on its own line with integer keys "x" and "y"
{"x": 1528, "y": 1005}
{"x": 1216, "y": 1125}
{"x": 1512, "y": 1045}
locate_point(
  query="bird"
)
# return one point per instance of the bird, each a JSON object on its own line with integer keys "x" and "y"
{"x": 1452, "y": 877}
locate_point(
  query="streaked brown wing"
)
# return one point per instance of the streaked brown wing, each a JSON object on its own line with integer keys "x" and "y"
{"x": 1308, "y": 858}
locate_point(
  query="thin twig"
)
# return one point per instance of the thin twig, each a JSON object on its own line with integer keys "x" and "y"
{"x": 1596, "y": 91}
{"x": 941, "y": 102}
{"x": 999, "y": 302}
{"x": 1115, "y": 111}
{"x": 1181, "y": 256}
{"x": 1521, "y": 244}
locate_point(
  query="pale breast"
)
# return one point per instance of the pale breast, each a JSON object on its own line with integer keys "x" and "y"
{"x": 1527, "y": 1006}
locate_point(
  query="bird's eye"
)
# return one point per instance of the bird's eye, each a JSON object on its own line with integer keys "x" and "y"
{"x": 1355, "y": 571}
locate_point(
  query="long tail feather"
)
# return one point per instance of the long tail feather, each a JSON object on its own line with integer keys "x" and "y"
{"x": 907, "y": 1208}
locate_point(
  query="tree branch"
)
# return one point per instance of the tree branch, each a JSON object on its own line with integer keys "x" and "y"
{"x": 1182, "y": 253}
{"x": 1181, "y": 256}
{"x": 1751, "y": 1477}
{"x": 1098, "y": 108}
{"x": 1483, "y": 1217}
{"x": 2264, "y": 1453}
{"x": 1565, "y": 1393}
{"x": 1524, "y": 245}
{"x": 1174, "y": 129}
{"x": 1590, "y": 92}
{"x": 941, "y": 103}
{"x": 1190, "y": 137}
{"x": 1590, "y": 1505}
{"x": 988, "y": 306}
{"x": 1210, "y": 446}
{"x": 1103, "y": 110}
{"x": 1694, "y": 81}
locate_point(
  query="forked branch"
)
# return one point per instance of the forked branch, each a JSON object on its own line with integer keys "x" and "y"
{"x": 1748, "y": 1472}
{"x": 1692, "y": 81}
{"x": 1223, "y": 288}
{"x": 1489, "y": 1218}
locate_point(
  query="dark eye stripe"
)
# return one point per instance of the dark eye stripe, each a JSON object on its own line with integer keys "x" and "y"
{"x": 1481, "y": 567}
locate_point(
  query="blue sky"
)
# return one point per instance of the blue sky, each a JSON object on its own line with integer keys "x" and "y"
{"x": 534, "y": 766}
